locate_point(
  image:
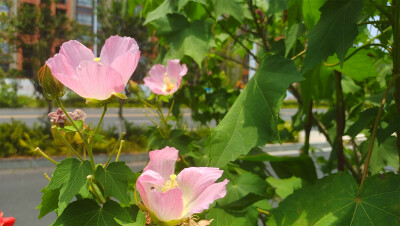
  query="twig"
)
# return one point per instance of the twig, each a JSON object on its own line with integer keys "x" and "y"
{"x": 259, "y": 27}
{"x": 232, "y": 35}
{"x": 373, "y": 135}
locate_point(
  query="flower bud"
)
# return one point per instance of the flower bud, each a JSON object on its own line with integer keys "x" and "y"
{"x": 52, "y": 88}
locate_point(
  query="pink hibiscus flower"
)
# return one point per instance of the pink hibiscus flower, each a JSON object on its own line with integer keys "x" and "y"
{"x": 77, "y": 68}
{"x": 170, "y": 197}
{"x": 165, "y": 81}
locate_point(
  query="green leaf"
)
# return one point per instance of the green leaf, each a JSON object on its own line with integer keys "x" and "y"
{"x": 165, "y": 8}
{"x": 317, "y": 85}
{"x": 253, "y": 118}
{"x": 359, "y": 67}
{"x": 242, "y": 185}
{"x": 184, "y": 38}
{"x": 178, "y": 139}
{"x": 286, "y": 167}
{"x": 114, "y": 180}
{"x": 334, "y": 32}
{"x": 140, "y": 220}
{"x": 224, "y": 217}
{"x": 291, "y": 37}
{"x": 244, "y": 202}
{"x": 71, "y": 128}
{"x": 285, "y": 187}
{"x": 384, "y": 155}
{"x": 230, "y": 7}
{"x": 69, "y": 177}
{"x": 88, "y": 212}
{"x": 311, "y": 12}
{"x": 182, "y": 3}
{"x": 365, "y": 119}
{"x": 277, "y": 6}
{"x": 334, "y": 200}
{"x": 49, "y": 201}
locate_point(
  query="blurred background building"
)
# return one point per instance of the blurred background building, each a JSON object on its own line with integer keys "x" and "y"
{"x": 79, "y": 11}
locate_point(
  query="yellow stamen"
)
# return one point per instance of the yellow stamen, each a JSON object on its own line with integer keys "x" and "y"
{"x": 170, "y": 184}
{"x": 97, "y": 59}
{"x": 173, "y": 177}
{"x": 168, "y": 84}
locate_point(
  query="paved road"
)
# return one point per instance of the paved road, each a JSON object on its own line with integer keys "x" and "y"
{"x": 37, "y": 115}
{"x": 135, "y": 115}
{"x": 20, "y": 194}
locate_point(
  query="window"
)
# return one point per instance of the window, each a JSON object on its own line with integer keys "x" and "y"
{"x": 4, "y": 48}
{"x": 3, "y": 6}
{"x": 87, "y": 3}
{"x": 61, "y": 12}
{"x": 85, "y": 19}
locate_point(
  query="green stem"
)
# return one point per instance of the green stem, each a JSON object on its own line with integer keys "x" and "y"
{"x": 46, "y": 156}
{"x": 373, "y": 135}
{"x": 101, "y": 119}
{"x": 70, "y": 119}
{"x": 88, "y": 146}
{"x": 114, "y": 149}
{"x": 68, "y": 145}
{"x": 170, "y": 108}
{"x": 119, "y": 150}
{"x": 93, "y": 189}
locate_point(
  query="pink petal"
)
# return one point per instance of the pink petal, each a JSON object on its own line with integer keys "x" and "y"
{"x": 157, "y": 73}
{"x": 126, "y": 64}
{"x": 166, "y": 206}
{"x": 154, "y": 86}
{"x": 194, "y": 180}
{"x": 122, "y": 54}
{"x": 155, "y": 81}
{"x": 94, "y": 80}
{"x": 183, "y": 70}
{"x": 163, "y": 161}
{"x": 61, "y": 69}
{"x": 148, "y": 181}
{"x": 208, "y": 196}
{"x": 115, "y": 47}
{"x": 75, "y": 53}
{"x": 175, "y": 70}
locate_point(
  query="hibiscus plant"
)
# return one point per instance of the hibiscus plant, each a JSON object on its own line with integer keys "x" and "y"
{"x": 342, "y": 55}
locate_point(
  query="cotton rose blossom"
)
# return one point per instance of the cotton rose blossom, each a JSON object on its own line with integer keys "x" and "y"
{"x": 77, "y": 67}
{"x": 6, "y": 221}
{"x": 165, "y": 81}
{"x": 171, "y": 198}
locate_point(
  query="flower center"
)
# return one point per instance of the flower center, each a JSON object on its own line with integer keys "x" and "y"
{"x": 168, "y": 86}
{"x": 170, "y": 184}
{"x": 97, "y": 59}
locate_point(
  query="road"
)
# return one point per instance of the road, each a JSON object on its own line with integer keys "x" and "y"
{"x": 135, "y": 115}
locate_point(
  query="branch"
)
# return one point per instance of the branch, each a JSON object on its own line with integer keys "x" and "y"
{"x": 374, "y": 22}
{"x": 259, "y": 27}
{"x": 237, "y": 61}
{"x": 373, "y": 135}
{"x": 232, "y": 35}
{"x": 355, "y": 51}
